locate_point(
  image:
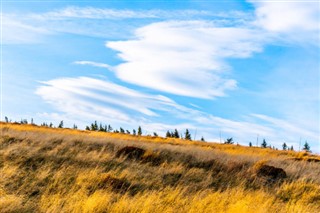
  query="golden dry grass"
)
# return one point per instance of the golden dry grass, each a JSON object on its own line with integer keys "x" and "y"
{"x": 63, "y": 170}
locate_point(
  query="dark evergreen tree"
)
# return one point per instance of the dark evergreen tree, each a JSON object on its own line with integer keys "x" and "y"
{"x": 168, "y": 134}
{"x": 101, "y": 129}
{"x": 229, "y": 141}
{"x": 264, "y": 144}
{"x": 87, "y": 128}
{"x": 187, "y": 135}
{"x": 202, "y": 139}
{"x": 134, "y": 132}
{"x": 291, "y": 148}
{"x": 51, "y": 125}
{"x": 75, "y": 126}
{"x": 306, "y": 147}
{"x": 139, "y": 131}
{"x": 121, "y": 130}
{"x": 60, "y": 124}
{"x": 176, "y": 134}
{"x": 284, "y": 146}
{"x": 250, "y": 144}
{"x": 109, "y": 128}
{"x": 6, "y": 119}
{"x": 155, "y": 134}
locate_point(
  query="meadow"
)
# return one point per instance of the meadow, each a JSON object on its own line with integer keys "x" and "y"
{"x": 64, "y": 170}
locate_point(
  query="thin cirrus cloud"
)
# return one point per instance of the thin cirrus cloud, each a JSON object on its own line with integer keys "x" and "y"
{"x": 94, "y": 64}
{"x": 184, "y": 57}
{"x": 73, "y": 12}
{"x": 12, "y": 31}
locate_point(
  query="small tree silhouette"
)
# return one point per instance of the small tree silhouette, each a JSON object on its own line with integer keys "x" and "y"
{"x": 60, "y": 124}
{"x": 306, "y": 147}
{"x": 202, "y": 139}
{"x": 250, "y": 144}
{"x": 139, "y": 131}
{"x": 264, "y": 144}
{"x": 176, "y": 134}
{"x": 187, "y": 135}
{"x": 229, "y": 141}
{"x": 284, "y": 146}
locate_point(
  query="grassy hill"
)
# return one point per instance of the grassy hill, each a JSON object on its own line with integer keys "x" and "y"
{"x": 63, "y": 170}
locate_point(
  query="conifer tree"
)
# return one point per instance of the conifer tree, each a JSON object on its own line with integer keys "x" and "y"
{"x": 60, "y": 124}
{"x": 101, "y": 129}
{"x": 264, "y": 144}
{"x": 284, "y": 146}
{"x": 202, "y": 139}
{"x": 250, "y": 144}
{"x": 110, "y": 128}
{"x": 187, "y": 135}
{"x": 306, "y": 147}
{"x": 176, "y": 134}
{"x": 168, "y": 134}
{"x": 139, "y": 131}
{"x": 229, "y": 141}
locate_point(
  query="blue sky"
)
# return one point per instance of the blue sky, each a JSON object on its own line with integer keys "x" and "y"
{"x": 242, "y": 68}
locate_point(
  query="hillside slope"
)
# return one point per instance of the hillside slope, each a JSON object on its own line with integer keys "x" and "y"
{"x": 62, "y": 170}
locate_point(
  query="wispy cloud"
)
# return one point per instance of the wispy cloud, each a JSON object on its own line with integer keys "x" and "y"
{"x": 70, "y": 94}
{"x": 17, "y": 32}
{"x": 85, "y": 98}
{"x": 94, "y": 64}
{"x": 109, "y": 13}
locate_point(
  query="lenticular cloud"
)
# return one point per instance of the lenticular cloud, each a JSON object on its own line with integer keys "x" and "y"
{"x": 184, "y": 57}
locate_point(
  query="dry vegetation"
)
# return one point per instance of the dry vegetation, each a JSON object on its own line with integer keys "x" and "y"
{"x": 62, "y": 170}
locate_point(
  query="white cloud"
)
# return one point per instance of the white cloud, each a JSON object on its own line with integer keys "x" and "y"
{"x": 296, "y": 21}
{"x": 111, "y": 100}
{"x": 184, "y": 57}
{"x": 83, "y": 99}
{"x": 17, "y": 32}
{"x": 108, "y": 13}
{"x": 94, "y": 64}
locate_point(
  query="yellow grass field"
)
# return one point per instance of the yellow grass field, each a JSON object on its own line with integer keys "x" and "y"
{"x": 62, "y": 170}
